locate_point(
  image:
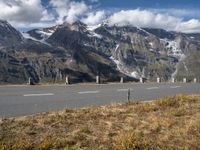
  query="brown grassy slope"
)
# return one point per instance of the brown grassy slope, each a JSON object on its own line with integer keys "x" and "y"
{"x": 170, "y": 123}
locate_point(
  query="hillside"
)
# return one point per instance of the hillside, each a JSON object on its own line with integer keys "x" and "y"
{"x": 169, "y": 123}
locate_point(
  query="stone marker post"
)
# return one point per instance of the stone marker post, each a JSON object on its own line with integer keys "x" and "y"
{"x": 195, "y": 80}
{"x": 184, "y": 80}
{"x": 158, "y": 80}
{"x": 122, "y": 80}
{"x": 67, "y": 80}
{"x": 97, "y": 80}
{"x": 30, "y": 82}
{"x": 173, "y": 80}
{"x": 141, "y": 80}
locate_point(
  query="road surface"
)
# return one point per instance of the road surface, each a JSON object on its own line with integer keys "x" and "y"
{"x": 27, "y": 100}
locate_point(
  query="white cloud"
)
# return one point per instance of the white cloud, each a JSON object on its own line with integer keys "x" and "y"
{"x": 191, "y": 26}
{"x": 147, "y": 18}
{"x": 31, "y": 13}
{"x": 94, "y": 18}
{"x": 22, "y": 11}
{"x": 68, "y": 10}
{"x": 182, "y": 13}
{"x": 76, "y": 9}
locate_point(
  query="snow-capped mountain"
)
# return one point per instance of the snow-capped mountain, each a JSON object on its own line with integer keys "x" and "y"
{"x": 83, "y": 52}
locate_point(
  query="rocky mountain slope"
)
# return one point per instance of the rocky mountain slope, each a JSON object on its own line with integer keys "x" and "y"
{"x": 82, "y": 52}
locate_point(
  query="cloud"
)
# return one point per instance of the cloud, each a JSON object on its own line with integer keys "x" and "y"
{"x": 182, "y": 13}
{"x": 68, "y": 10}
{"x": 191, "y": 26}
{"x": 31, "y": 13}
{"x": 147, "y": 18}
{"x": 94, "y": 18}
{"x": 22, "y": 11}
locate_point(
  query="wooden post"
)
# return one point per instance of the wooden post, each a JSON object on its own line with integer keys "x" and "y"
{"x": 129, "y": 96}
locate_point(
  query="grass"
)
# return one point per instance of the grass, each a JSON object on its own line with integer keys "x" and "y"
{"x": 168, "y": 123}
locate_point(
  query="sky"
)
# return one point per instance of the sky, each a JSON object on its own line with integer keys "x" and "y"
{"x": 172, "y": 15}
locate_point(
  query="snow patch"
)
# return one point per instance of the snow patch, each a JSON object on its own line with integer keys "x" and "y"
{"x": 45, "y": 34}
{"x": 143, "y": 30}
{"x": 117, "y": 47}
{"x": 92, "y": 28}
{"x": 27, "y": 36}
{"x": 117, "y": 62}
{"x": 176, "y": 71}
{"x": 172, "y": 48}
{"x": 92, "y": 33}
{"x": 135, "y": 74}
{"x": 122, "y": 68}
{"x": 151, "y": 44}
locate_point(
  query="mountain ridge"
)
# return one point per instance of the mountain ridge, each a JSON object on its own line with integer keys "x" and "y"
{"x": 109, "y": 51}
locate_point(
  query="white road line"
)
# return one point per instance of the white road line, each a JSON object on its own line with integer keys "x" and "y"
{"x": 44, "y": 94}
{"x": 174, "y": 87}
{"x": 88, "y": 92}
{"x": 152, "y": 88}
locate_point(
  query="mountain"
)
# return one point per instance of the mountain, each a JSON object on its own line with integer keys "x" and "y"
{"x": 9, "y": 36}
{"x": 82, "y": 52}
{"x": 45, "y": 61}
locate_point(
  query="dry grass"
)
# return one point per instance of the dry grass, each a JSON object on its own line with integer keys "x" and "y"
{"x": 169, "y": 123}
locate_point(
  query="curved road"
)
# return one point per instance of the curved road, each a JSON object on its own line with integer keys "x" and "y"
{"x": 27, "y": 100}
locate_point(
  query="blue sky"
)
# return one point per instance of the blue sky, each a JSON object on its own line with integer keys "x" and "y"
{"x": 176, "y": 15}
{"x": 129, "y": 4}
{"x": 165, "y": 6}
{"x": 150, "y": 3}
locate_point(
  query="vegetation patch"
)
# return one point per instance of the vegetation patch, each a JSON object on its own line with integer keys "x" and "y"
{"x": 168, "y": 123}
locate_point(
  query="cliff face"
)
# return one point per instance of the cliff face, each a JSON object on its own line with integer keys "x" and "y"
{"x": 82, "y": 52}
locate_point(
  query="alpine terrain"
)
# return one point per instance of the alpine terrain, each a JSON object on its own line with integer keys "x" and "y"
{"x": 82, "y": 52}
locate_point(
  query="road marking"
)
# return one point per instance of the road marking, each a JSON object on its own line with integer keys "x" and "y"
{"x": 88, "y": 92}
{"x": 122, "y": 90}
{"x": 44, "y": 94}
{"x": 152, "y": 88}
{"x": 174, "y": 87}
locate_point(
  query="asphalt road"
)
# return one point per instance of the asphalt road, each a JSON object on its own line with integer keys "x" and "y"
{"x": 27, "y": 100}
